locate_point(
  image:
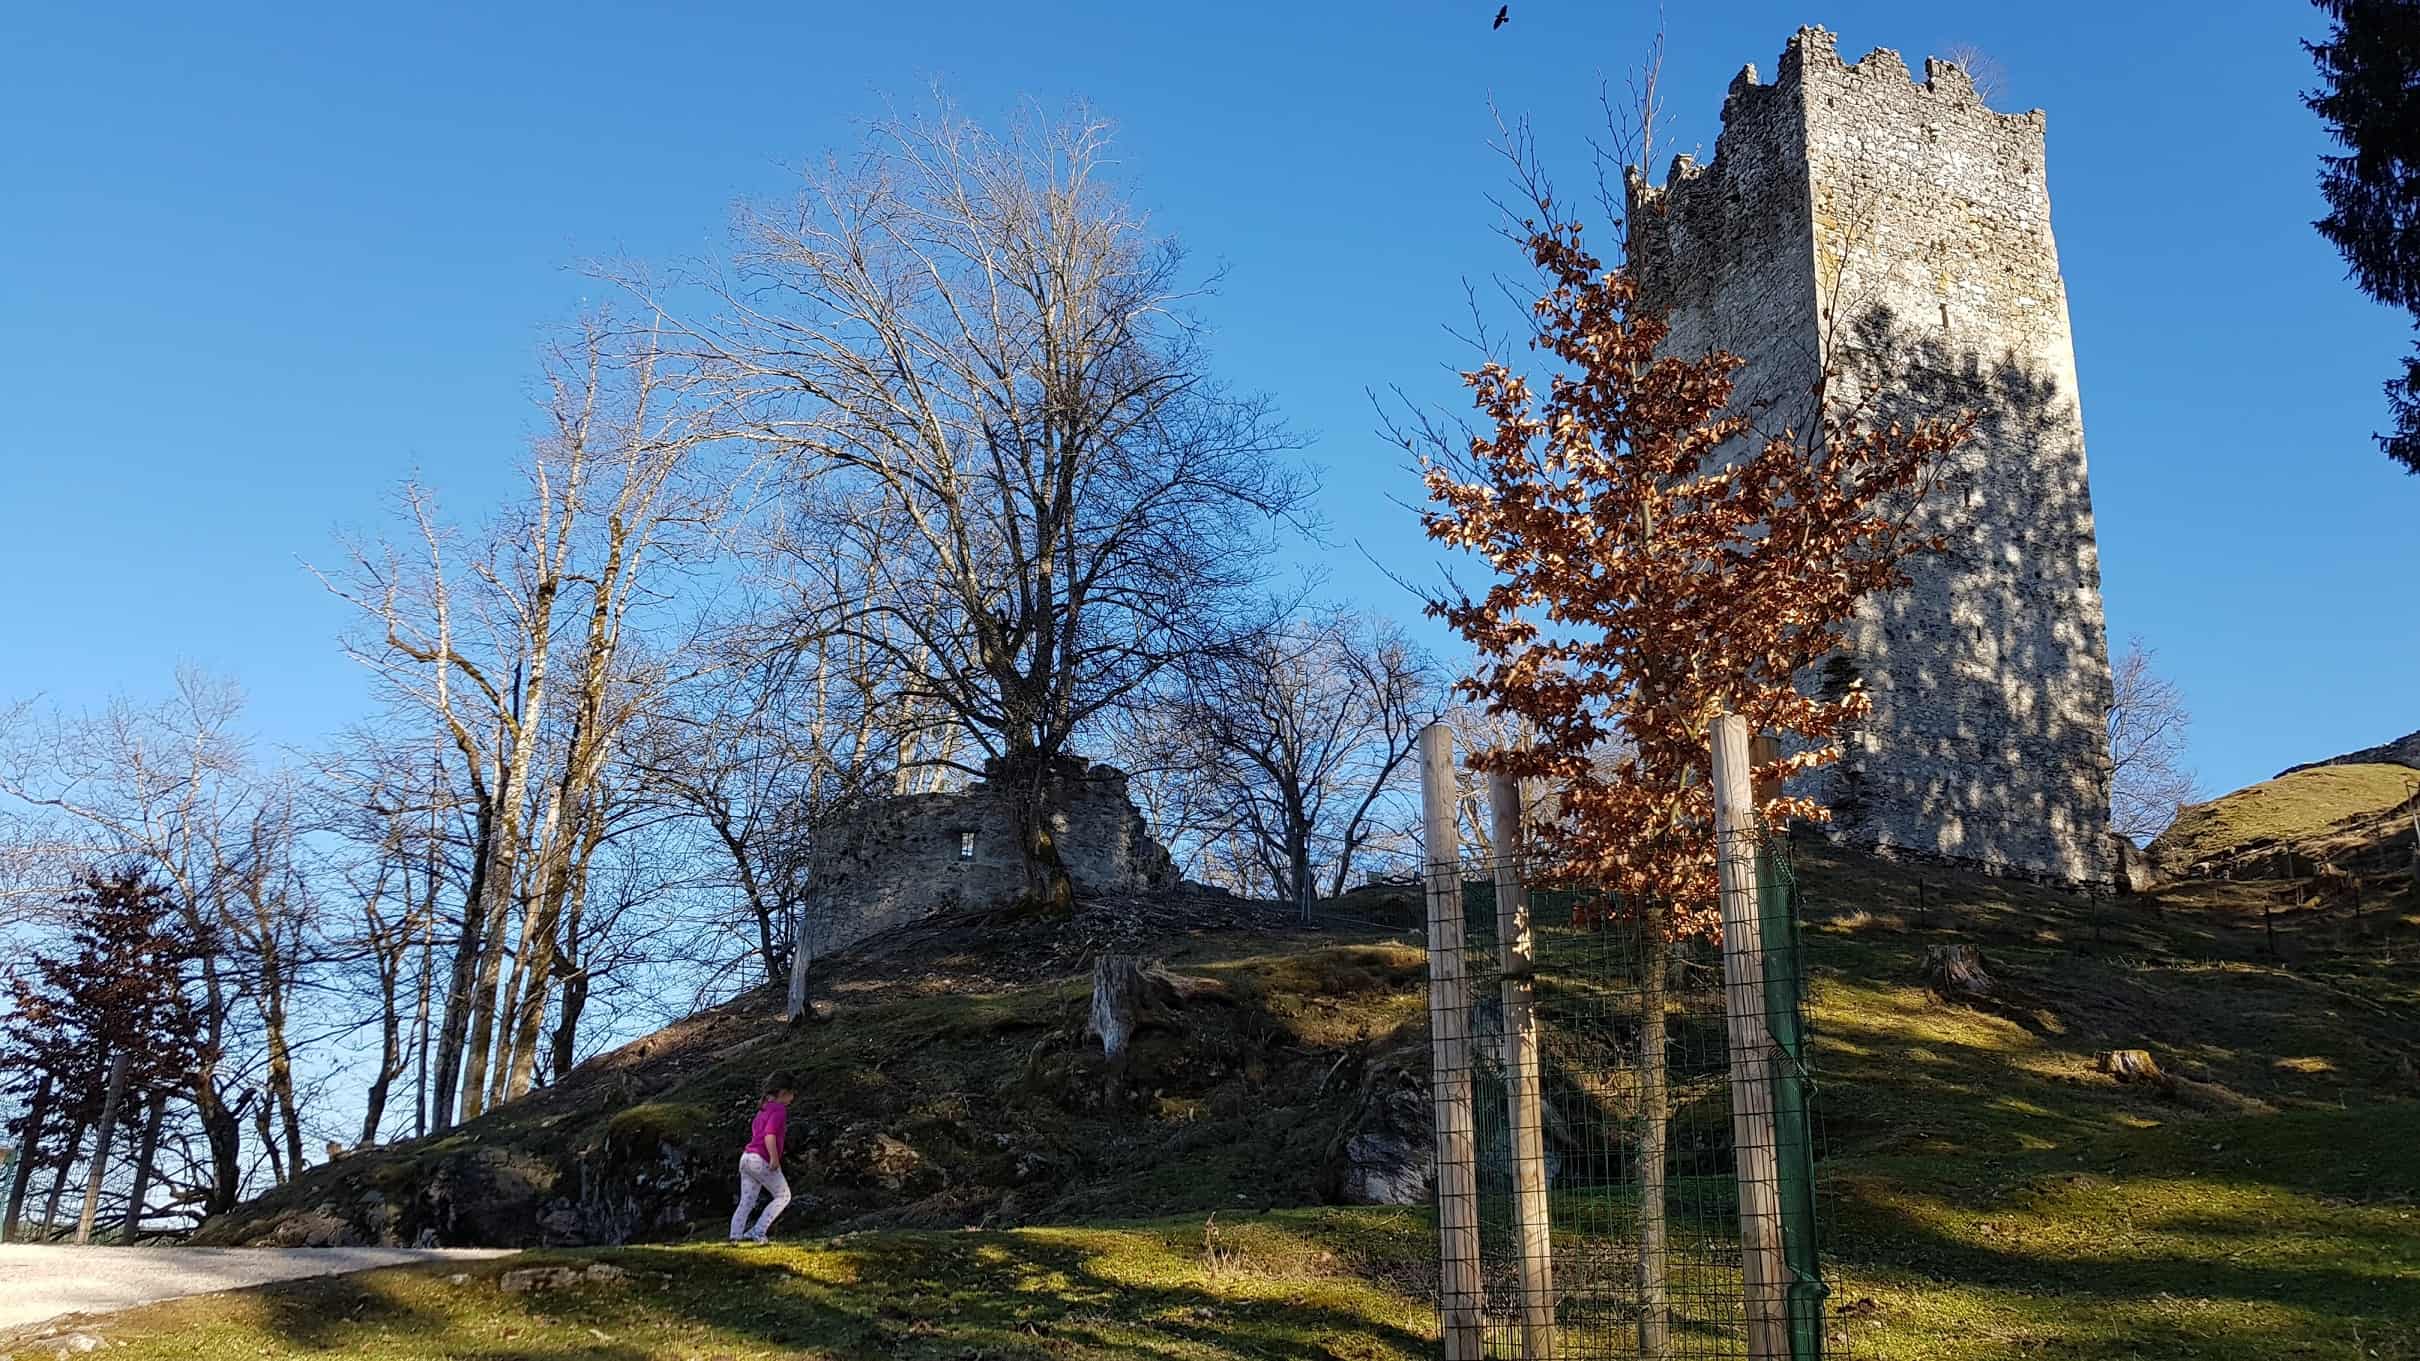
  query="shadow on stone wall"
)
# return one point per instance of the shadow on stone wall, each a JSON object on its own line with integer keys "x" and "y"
{"x": 910, "y": 856}
{"x": 1990, "y": 673}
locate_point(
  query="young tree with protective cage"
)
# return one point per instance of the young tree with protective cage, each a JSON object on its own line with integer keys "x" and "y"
{"x": 1658, "y": 560}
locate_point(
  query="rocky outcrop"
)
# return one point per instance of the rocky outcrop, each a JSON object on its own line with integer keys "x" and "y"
{"x": 2135, "y": 871}
{"x": 956, "y": 1086}
{"x": 2403, "y": 751}
{"x": 1386, "y": 1151}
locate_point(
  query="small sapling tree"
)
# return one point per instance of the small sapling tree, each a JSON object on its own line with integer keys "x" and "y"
{"x": 1655, "y": 562}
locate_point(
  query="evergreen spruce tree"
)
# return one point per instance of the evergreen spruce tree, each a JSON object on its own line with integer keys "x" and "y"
{"x": 116, "y": 985}
{"x": 2369, "y": 96}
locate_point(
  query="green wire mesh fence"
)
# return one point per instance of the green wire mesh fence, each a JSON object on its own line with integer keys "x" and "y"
{"x": 1607, "y": 1100}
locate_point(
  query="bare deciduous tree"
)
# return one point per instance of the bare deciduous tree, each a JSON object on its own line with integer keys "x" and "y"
{"x": 760, "y": 753}
{"x": 1981, "y": 67}
{"x": 974, "y": 347}
{"x": 524, "y": 652}
{"x": 1303, "y": 731}
{"x": 172, "y": 788}
{"x": 2148, "y": 722}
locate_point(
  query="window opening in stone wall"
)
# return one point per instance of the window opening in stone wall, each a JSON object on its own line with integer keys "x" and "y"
{"x": 966, "y": 845}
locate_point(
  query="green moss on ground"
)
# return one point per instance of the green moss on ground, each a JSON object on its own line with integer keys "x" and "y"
{"x": 2223, "y": 1238}
{"x": 2286, "y": 809}
{"x": 1291, "y": 1285}
{"x": 1992, "y": 1194}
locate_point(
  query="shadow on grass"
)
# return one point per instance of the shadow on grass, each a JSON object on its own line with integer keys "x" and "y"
{"x": 325, "y": 1313}
{"x": 1282, "y": 1292}
{"x": 2245, "y": 1212}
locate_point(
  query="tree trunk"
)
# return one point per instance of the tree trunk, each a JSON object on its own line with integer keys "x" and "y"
{"x": 58, "y": 1184}
{"x": 1129, "y": 996}
{"x": 281, "y": 1057}
{"x": 1655, "y": 1134}
{"x": 1956, "y": 973}
{"x": 223, "y": 1129}
{"x": 452, "y": 1035}
{"x": 260, "y": 1126}
{"x": 541, "y": 905}
{"x": 115, "y": 1092}
{"x": 390, "y": 1056}
{"x": 1298, "y": 858}
{"x": 424, "y": 991}
{"x": 574, "y": 974}
{"x": 562, "y": 949}
{"x": 802, "y": 956}
{"x": 497, "y": 913}
{"x": 736, "y": 847}
{"x": 508, "y": 1006}
{"x": 540, "y": 941}
{"x": 144, "y": 1155}
{"x": 567, "y": 1022}
{"x": 1049, "y": 888}
{"x": 29, "y": 1150}
{"x": 1118, "y": 999}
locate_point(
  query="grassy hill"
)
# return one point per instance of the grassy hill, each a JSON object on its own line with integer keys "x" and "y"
{"x": 953, "y": 1088}
{"x": 2296, "y": 807}
{"x": 1990, "y": 1193}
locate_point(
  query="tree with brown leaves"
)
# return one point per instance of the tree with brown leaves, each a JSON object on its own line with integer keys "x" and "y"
{"x": 1658, "y": 561}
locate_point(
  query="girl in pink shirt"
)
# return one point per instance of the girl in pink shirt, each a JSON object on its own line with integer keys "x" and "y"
{"x": 760, "y": 1166}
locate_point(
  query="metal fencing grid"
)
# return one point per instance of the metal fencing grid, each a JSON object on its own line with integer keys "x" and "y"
{"x": 1589, "y": 1195}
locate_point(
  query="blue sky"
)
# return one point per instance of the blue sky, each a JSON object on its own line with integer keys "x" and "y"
{"x": 259, "y": 263}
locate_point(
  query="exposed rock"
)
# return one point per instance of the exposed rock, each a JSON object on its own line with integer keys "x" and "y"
{"x": 871, "y": 1156}
{"x": 487, "y": 1195}
{"x": 561, "y": 1225}
{"x": 1386, "y": 1151}
{"x": 536, "y": 1279}
{"x": 2135, "y": 872}
{"x": 319, "y": 1227}
{"x": 530, "y": 1280}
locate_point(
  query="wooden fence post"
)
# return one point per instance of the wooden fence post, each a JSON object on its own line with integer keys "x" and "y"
{"x": 1459, "y": 1301}
{"x": 1764, "y": 1276}
{"x": 1525, "y": 1099}
{"x": 29, "y": 1152}
{"x": 144, "y": 1155}
{"x": 100, "y": 1147}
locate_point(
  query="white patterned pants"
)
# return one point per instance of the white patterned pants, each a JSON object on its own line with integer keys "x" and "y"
{"x": 755, "y": 1176}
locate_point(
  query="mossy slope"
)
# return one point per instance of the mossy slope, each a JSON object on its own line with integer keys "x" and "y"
{"x": 1992, "y": 1194}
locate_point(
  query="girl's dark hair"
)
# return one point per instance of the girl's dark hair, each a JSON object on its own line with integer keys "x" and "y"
{"x": 779, "y": 1080}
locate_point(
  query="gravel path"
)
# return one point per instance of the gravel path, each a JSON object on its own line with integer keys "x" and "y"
{"x": 43, "y": 1282}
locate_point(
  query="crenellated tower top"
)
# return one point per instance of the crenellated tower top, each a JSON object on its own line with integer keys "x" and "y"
{"x": 1870, "y": 242}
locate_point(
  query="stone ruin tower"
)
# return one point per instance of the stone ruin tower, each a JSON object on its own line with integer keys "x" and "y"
{"x": 1897, "y": 234}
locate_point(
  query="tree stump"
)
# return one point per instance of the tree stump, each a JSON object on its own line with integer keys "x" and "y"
{"x": 1129, "y": 996}
{"x": 2133, "y": 1065}
{"x": 1955, "y": 973}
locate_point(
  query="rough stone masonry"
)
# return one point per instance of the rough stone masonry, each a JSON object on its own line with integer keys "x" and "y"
{"x": 903, "y": 858}
{"x": 1896, "y": 235}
